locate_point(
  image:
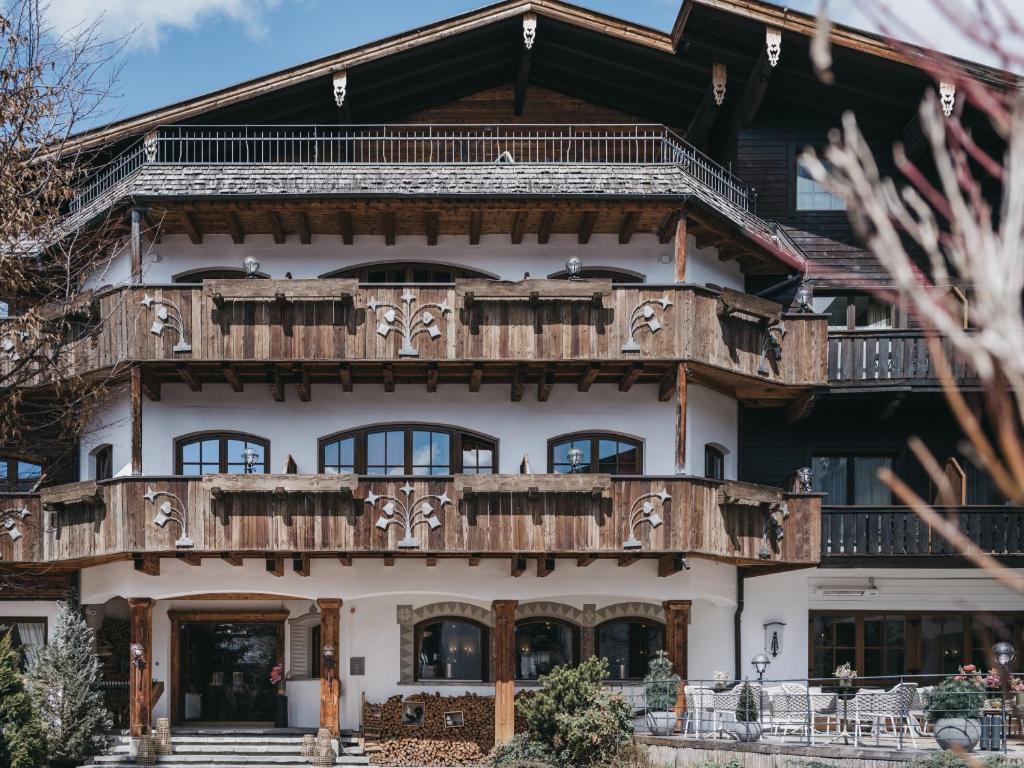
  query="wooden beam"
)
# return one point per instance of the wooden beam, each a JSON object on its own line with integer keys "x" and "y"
{"x": 630, "y": 376}
{"x": 586, "y": 226}
{"x": 330, "y": 685}
{"x": 140, "y": 676}
{"x": 189, "y": 377}
{"x": 545, "y": 566}
{"x": 522, "y": 79}
{"x": 192, "y": 228}
{"x": 547, "y": 222}
{"x": 670, "y": 564}
{"x": 680, "y": 419}
{"x": 345, "y": 559}
{"x": 703, "y": 119}
{"x": 584, "y": 560}
{"x": 680, "y": 252}
{"x": 799, "y": 409}
{"x": 302, "y": 382}
{"x": 476, "y": 377}
{"x": 345, "y": 226}
{"x": 518, "y": 383}
{"x": 232, "y": 558}
{"x": 588, "y": 377}
{"x": 625, "y": 561}
{"x": 305, "y": 234}
{"x": 545, "y": 383}
{"x": 476, "y": 220}
{"x": 667, "y": 228}
{"x": 275, "y": 565}
{"x": 147, "y": 563}
{"x": 136, "y": 245}
{"x": 275, "y": 383}
{"x": 430, "y": 561}
{"x": 677, "y": 620}
{"x": 667, "y": 385}
{"x": 276, "y": 227}
{"x": 390, "y": 227}
{"x": 189, "y": 558}
{"x": 135, "y": 405}
{"x": 234, "y": 226}
{"x": 432, "y": 377}
{"x": 433, "y": 224}
{"x": 504, "y": 612}
{"x": 345, "y": 377}
{"x": 518, "y": 566}
{"x": 628, "y": 226}
{"x": 389, "y": 559}
{"x": 300, "y": 564}
{"x": 518, "y": 227}
{"x": 230, "y": 374}
{"x": 473, "y": 560}
{"x": 745, "y": 110}
{"x": 387, "y": 373}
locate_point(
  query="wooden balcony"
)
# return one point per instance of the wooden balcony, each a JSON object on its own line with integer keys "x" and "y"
{"x": 852, "y": 536}
{"x": 302, "y": 332}
{"x": 889, "y": 358}
{"x": 540, "y": 516}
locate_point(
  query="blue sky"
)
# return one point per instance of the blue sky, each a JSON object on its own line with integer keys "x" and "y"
{"x": 183, "y": 48}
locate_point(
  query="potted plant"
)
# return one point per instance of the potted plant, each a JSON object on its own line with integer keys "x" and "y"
{"x": 845, "y": 674}
{"x": 747, "y": 726}
{"x": 954, "y": 707}
{"x": 661, "y": 686}
{"x": 280, "y": 700}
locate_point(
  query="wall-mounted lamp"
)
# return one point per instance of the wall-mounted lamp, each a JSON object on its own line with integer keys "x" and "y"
{"x": 804, "y": 299}
{"x": 805, "y": 480}
{"x": 773, "y": 631}
{"x": 575, "y": 459}
{"x": 249, "y": 458}
{"x": 330, "y": 661}
{"x": 251, "y": 266}
{"x": 760, "y": 664}
{"x": 574, "y": 266}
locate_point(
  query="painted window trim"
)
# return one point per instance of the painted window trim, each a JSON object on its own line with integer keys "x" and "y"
{"x": 94, "y": 457}
{"x": 455, "y": 433}
{"x": 194, "y": 276}
{"x": 360, "y": 271}
{"x": 223, "y": 436}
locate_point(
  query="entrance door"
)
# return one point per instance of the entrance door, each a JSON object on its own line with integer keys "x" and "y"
{"x": 224, "y": 670}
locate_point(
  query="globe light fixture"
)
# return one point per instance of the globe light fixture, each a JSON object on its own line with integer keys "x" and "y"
{"x": 251, "y": 266}
{"x": 575, "y": 458}
{"x": 1004, "y": 654}
{"x": 760, "y": 664}
{"x": 249, "y": 458}
{"x": 804, "y": 298}
{"x": 574, "y": 266}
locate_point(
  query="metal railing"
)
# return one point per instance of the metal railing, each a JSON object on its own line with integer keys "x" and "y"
{"x": 889, "y": 355}
{"x": 877, "y": 531}
{"x": 620, "y": 144}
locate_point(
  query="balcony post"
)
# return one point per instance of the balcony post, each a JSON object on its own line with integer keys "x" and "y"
{"x": 135, "y": 403}
{"x": 681, "y": 419}
{"x": 140, "y": 672}
{"x": 330, "y": 685}
{"x": 677, "y": 620}
{"x": 681, "y": 247}
{"x": 136, "y": 245}
{"x": 504, "y": 669}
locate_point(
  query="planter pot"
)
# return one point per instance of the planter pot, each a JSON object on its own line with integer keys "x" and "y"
{"x": 1019, "y": 699}
{"x": 957, "y": 733}
{"x": 662, "y": 723}
{"x": 280, "y": 711}
{"x": 62, "y": 763}
{"x": 744, "y": 731}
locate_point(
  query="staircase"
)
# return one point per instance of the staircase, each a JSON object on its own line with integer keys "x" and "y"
{"x": 233, "y": 748}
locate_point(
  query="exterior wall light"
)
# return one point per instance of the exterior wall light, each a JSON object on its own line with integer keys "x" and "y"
{"x": 575, "y": 458}
{"x": 1004, "y": 654}
{"x": 760, "y": 664}
{"x": 249, "y": 458}
{"x": 805, "y": 480}
{"x": 805, "y": 298}
{"x": 251, "y": 266}
{"x": 138, "y": 655}
{"x": 574, "y": 266}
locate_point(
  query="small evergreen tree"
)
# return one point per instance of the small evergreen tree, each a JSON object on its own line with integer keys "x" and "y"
{"x": 22, "y": 743}
{"x": 63, "y": 681}
{"x": 746, "y": 708}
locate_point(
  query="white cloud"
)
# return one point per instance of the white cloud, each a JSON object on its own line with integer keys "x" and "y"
{"x": 148, "y": 21}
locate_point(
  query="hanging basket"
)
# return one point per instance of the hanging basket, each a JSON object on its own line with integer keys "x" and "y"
{"x": 308, "y": 748}
{"x": 325, "y": 756}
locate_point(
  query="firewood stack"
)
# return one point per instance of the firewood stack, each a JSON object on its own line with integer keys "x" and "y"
{"x": 433, "y": 744}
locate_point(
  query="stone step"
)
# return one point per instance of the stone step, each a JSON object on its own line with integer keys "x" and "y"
{"x": 244, "y": 743}
{"x": 238, "y": 749}
{"x": 221, "y": 760}
{"x": 295, "y": 763}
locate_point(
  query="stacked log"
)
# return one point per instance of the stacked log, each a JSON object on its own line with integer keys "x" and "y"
{"x": 433, "y": 742}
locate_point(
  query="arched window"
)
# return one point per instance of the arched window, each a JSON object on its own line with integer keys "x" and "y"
{"x": 400, "y": 449}
{"x": 451, "y": 649}
{"x": 17, "y": 476}
{"x": 219, "y": 452}
{"x": 542, "y": 645}
{"x": 103, "y": 462}
{"x": 603, "y": 453}
{"x": 629, "y": 645}
{"x": 213, "y": 273}
{"x": 714, "y": 462}
{"x": 609, "y": 273}
{"x": 408, "y": 272}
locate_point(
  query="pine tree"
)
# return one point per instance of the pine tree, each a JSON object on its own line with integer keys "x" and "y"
{"x": 63, "y": 681}
{"x": 22, "y": 743}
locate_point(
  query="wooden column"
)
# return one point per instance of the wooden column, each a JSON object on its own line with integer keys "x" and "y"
{"x": 677, "y": 620}
{"x": 681, "y": 248}
{"x": 135, "y": 403}
{"x": 330, "y": 684}
{"x": 140, "y": 676}
{"x": 136, "y": 245}
{"x": 680, "y": 419}
{"x": 505, "y": 669}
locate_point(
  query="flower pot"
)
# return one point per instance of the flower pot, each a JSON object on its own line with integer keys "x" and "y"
{"x": 744, "y": 731}
{"x": 957, "y": 733}
{"x": 662, "y": 723}
{"x": 280, "y": 711}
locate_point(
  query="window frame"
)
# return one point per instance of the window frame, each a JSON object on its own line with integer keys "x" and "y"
{"x": 850, "y": 474}
{"x": 12, "y": 621}
{"x": 713, "y": 453}
{"x": 595, "y": 436}
{"x": 455, "y": 440}
{"x": 851, "y": 311}
{"x": 575, "y": 650}
{"x": 361, "y": 272}
{"x": 485, "y": 649}
{"x": 12, "y": 461}
{"x": 615, "y": 274}
{"x": 106, "y": 450}
{"x": 627, "y": 620}
{"x": 196, "y": 276}
{"x": 795, "y": 150}
{"x": 223, "y": 436}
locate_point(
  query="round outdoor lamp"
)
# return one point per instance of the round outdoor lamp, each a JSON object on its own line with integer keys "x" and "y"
{"x": 575, "y": 457}
{"x": 804, "y": 297}
{"x": 1003, "y": 654}
{"x": 249, "y": 457}
{"x": 760, "y": 663}
{"x": 574, "y": 266}
{"x": 251, "y": 266}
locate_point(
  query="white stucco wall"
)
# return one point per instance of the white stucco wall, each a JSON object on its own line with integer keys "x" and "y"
{"x": 36, "y": 609}
{"x": 495, "y": 255}
{"x": 293, "y": 426}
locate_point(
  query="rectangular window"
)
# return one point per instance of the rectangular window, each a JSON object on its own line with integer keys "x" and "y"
{"x": 385, "y": 453}
{"x": 849, "y": 480}
{"x": 834, "y": 642}
{"x": 854, "y": 312}
{"x": 942, "y": 643}
{"x": 812, "y": 196}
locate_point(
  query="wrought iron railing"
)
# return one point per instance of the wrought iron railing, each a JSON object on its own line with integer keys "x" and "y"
{"x": 620, "y": 144}
{"x": 890, "y": 531}
{"x": 886, "y": 356}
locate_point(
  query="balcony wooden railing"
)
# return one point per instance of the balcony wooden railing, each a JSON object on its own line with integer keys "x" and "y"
{"x": 261, "y": 322}
{"x": 888, "y": 357}
{"x": 595, "y": 515}
{"x": 868, "y": 532}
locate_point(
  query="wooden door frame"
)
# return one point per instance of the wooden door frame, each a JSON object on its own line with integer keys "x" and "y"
{"x": 241, "y": 616}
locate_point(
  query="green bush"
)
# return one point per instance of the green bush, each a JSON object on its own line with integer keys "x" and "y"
{"x": 521, "y": 752}
{"x": 950, "y": 759}
{"x": 575, "y": 717}
{"x": 956, "y": 697}
{"x": 661, "y": 684}
{"x": 22, "y": 743}
{"x": 746, "y": 708}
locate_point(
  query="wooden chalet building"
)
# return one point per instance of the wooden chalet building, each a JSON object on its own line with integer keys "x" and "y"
{"x": 408, "y": 453}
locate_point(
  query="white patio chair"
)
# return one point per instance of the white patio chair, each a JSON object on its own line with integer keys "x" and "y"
{"x": 700, "y": 706}
{"x": 882, "y": 710}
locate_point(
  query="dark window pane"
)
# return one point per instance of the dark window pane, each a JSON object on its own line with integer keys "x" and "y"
{"x": 340, "y": 455}
{"x": 451, "y": 650}
{"x": 560, "y": 455}
{"x": 830, "y": 478}
{"x": 541, "y": 646}
{"x": 629, "y": 646}
{"x": 845, "y": 631}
